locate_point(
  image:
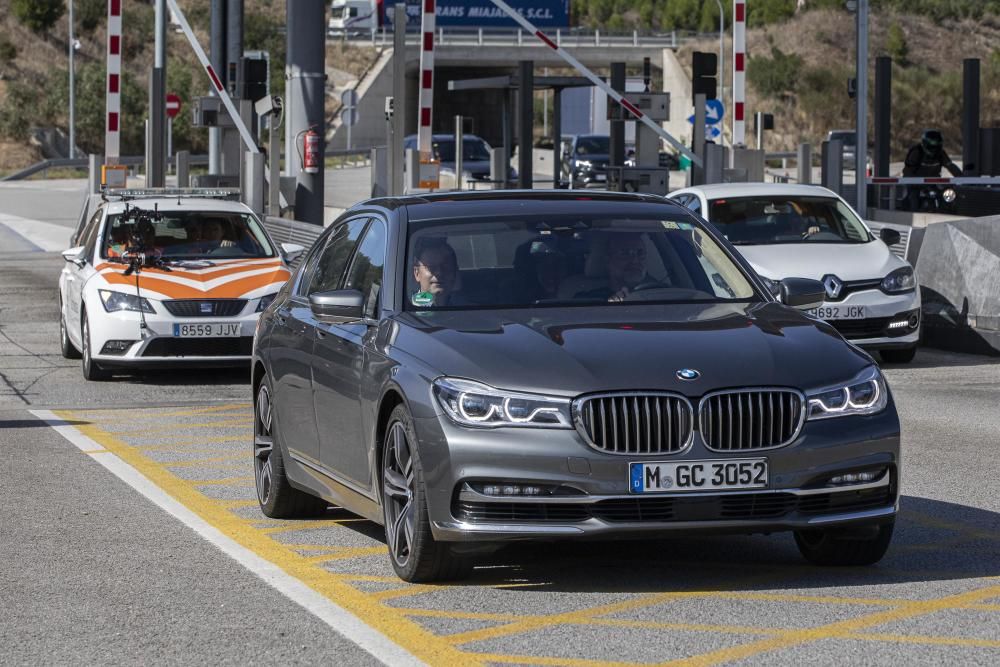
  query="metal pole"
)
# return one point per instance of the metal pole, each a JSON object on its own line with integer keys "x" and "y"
{"x": 157, "y": 162}
{"x": 698, "y": 143}
{"x": 396, "y": 156}
{"x": 722, "y": 66}
{"x": 217, "y": 47}
{"x": 306, "y": 77}
{"x": 556, "y": 136}
{"x": 861, "y": 137}
{"x": 617, "y": 140}
{"x": 970, "y": 117}
{"x": 526, "y": 123}
{"x": 234, "y": 47}
{"x": 72, "y": 95}
{"x": 459, "y": 148}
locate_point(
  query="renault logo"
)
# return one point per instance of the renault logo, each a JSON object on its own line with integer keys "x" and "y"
{"x": 688, "y": 374}
{"x": 832, "y": 285}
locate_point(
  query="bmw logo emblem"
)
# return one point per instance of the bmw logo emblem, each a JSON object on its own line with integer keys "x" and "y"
{"x": 688, "y": 374}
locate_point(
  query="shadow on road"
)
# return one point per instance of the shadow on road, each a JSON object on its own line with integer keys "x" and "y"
{"x": 933, "y": 541}
{"x": 168, "y": 377}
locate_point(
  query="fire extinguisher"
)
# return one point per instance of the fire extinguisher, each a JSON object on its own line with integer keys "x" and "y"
{"x": 311, "y": 151}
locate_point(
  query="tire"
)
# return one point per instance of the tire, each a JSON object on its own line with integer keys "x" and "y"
{"x": 414, "y": 554}
{"x": 91, "y": 369}
{"x": 899, "y": 356}
{"x": 66, "y": 346}
{"x": 277, "y": 497}
{"x": 836, "y": 547}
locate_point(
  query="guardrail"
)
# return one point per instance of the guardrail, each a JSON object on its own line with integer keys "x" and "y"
{"x": 61, "y": 162}
{"x": 283, "y": 230}
{"x": 574, "y": 38}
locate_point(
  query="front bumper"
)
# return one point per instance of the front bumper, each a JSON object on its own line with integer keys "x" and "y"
{"x": 882, "y": 310}
{"x": 157, "y": 346}
{"x": 594, "y": 500}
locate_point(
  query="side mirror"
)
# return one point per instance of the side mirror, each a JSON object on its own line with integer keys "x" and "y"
{"x": 889, "y": 236}
{"x": 292, "y": 251}
{"x": 343, "y": 305}
{"x": 75, "y": 255}
{"x": 801, "y": 293}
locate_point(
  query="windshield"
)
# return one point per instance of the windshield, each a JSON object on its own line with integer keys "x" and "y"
{"x": 768, "y": 220}
{"x": 593, "y": 146}
{"x": 473, "y": 150}
{"x": 185, "y": 235}
{"x": 567, "y": 260}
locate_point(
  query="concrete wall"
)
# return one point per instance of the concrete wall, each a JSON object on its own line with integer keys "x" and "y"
{"x": 677, "y": 82}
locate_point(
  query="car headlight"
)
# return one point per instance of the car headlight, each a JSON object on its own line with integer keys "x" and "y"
{"x": 117, "y": 301}
{"x": 864, "y": 395}
{"x": 265, "y": 301}
{"x": 584, "y": 164}
{"x": 471, "y": 403}
{"x": 900, "y": 280}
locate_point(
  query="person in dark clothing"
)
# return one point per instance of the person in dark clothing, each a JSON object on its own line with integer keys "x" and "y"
{"x": 925, "y": 160}
{"x": 626, "y": 265}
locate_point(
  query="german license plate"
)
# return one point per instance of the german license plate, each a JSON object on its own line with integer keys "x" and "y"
{"x": 827, "y": 312}
{"x": 728, "y": 475}
{"x": 207, "y": 330}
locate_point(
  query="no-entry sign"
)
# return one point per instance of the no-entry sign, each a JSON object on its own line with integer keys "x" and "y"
{"x": 173, "y": 105}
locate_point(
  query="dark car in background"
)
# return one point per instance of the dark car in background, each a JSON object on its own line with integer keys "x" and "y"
{"x": 585, "y": 160}
{"x": 470, "y": 369}
{"x": 475, "y": 157}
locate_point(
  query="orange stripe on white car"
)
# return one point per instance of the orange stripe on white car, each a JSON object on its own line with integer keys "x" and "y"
{"x": 230, "y": 280}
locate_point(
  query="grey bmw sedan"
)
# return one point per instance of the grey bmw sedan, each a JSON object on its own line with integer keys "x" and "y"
{"x": 470, "y": 369}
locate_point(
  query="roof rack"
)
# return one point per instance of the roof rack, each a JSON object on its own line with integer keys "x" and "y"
{"x": 125, "y": 194}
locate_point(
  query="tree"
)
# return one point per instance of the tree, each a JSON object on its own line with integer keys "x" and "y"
{"x": 90, "y": 13}
{"x": 38, "y": 15}
{"x": 895, "y": 44}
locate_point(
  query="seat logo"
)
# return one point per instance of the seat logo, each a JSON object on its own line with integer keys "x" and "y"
{"x": 833, "y": 285}
{"x": 205, "y": 307}
{"x": 688, "y": 374}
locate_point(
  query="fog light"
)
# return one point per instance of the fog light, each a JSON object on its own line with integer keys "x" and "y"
{"x": 117, "y": 346}
{"x": 856, "y": 477}
{"x": 899, "y": 325}
{"x": 508, "y": 489}
{"x": 914, "y": 320}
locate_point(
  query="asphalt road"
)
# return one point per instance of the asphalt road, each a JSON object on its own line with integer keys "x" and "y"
{"x": 93, "y": 571}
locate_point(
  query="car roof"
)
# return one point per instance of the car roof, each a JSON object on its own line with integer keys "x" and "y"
{"x": 189, "y": 204}
{"x": 723, "y": 190}
{"x": 484, "y": 202}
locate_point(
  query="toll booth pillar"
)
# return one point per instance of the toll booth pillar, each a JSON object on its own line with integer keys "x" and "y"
{"x": 833, "y": 165}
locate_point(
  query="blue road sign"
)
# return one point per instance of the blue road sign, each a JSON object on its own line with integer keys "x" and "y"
{"x": 714, "y": 111}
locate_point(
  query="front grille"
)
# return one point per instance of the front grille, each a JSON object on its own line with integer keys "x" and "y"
{"x": 677, "y": 508}
{"x": 752, "y": 419}
{"x": 635, "y": 423}
{"x": 199, "y": 347}
{"x": 205, "y": 307}
{"x": 873, "y": 327}
{"x": 851, "y": 286}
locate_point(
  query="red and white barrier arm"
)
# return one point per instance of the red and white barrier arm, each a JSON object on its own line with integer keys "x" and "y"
{"x": 425, "y": 105}
{"x": 928, "y": 180}
{"x": 739, "y": 71}
{"x": 611, "y": 92}
{"x": 248, "y": 139}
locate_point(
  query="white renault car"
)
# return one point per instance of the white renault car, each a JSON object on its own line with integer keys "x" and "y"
{"x": 161, "y": 279}
{"x": 807, "y": 231}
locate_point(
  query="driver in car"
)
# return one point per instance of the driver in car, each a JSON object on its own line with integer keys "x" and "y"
{"x": 626, "y": 265}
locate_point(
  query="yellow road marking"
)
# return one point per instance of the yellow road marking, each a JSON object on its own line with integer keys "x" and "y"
{"x": 839, "y": 629}
{"x": 341, "y": 553}
{"x": 194, "y": 443}
{"x": 141, "y": 430}
{"x": 225, "y": 481}
{"x": 545, "y": 660}
{"x": 238, "y": 504}
{"x": 393, "y": 623}
{"x": 191, "y": 463}
{"x": 287, "y": 527}
{"x": 409, "y": 589}
{"x": 95, "y": 451}
{"x": 117, "y": 415}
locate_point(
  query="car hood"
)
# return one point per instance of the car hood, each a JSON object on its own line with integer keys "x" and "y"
{"x": 198, "y": 279}
{"x": 570, "y": 351}
{"x": 847, "y": 261}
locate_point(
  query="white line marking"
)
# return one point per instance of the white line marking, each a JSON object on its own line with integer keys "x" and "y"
{"x": 341, "y": 621}
{"x": 47, "y": 236}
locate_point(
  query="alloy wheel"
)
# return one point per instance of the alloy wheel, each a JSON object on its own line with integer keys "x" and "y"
{"x": 263, "y": 443}
{"x": 398, "y": 491}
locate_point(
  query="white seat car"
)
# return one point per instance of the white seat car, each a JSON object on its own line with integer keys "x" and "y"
{"x": 807, "y": 231}
{"x": 161, "y": 279}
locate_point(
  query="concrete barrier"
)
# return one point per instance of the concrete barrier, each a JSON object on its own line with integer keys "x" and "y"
{"x": 959, "y": 272}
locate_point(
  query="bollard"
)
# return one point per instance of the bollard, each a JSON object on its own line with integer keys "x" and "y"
{"x": 183, "y": 171}
{"x": 253, "y": 181}
{"x": 832, "y": 171}
{"x": 459, "y": 149}
{"x": 380, "y": 171}
{"x": 95, "y": 174}
{"x": 498, "y": 163}
{"x": 804, "y": 162}
{"x": 716, "y": 159}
